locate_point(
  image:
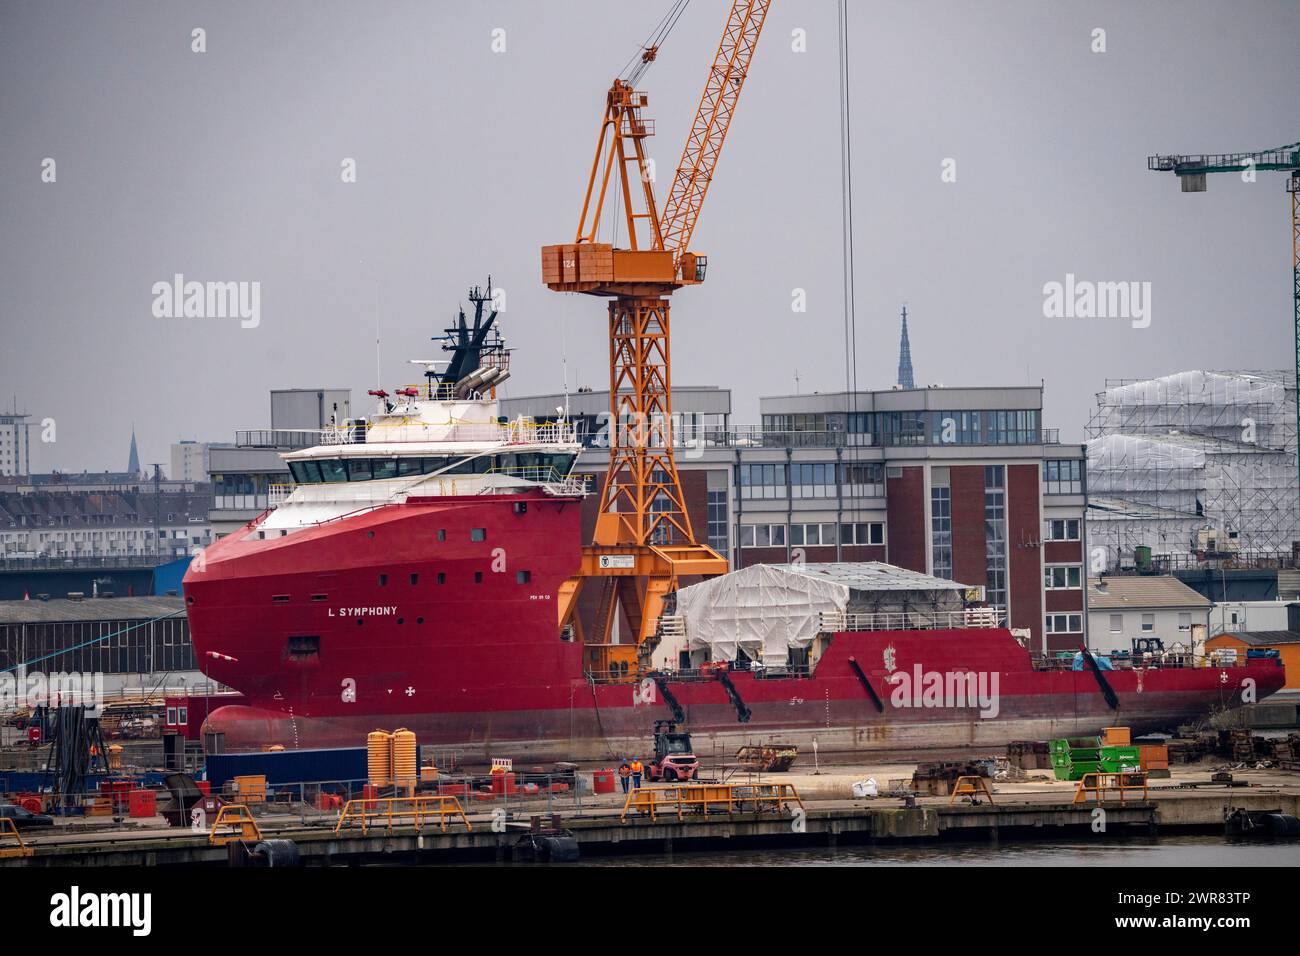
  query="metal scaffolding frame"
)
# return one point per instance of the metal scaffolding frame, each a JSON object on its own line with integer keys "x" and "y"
{"x": 1194, "y": 464}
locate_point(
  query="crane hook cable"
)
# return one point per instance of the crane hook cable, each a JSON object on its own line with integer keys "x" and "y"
{"x": 636, "y": 65}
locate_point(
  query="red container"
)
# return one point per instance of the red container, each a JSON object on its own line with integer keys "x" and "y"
{"x": 144, "y": 803}
{"x": 503, "y": 783}
{"x": 119, "y": 791}
{"x": 602, "y": 781}
{"x": 329, "y": 801}
{"x": 205, "y": 787}
{"x": 453, "y": 789}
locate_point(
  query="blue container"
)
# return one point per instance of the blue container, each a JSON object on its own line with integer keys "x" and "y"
{"x": 285, "y": 767}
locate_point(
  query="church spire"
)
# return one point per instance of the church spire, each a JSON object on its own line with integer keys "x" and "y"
{"x": 133, "y": 466}
{"x": 905, "y": 357}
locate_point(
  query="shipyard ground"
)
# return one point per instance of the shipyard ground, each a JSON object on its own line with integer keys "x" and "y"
{"x": 1039, "y": 808}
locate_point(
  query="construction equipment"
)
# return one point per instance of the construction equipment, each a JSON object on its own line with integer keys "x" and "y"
{"x": 644, "y": 542}
{"x": 674, "y": 756}
{"x": 767, "y": 758}
{"x": 76, "y": 751}
{"x": 1191, "y": 172}
{"x": 1148, "y": 645}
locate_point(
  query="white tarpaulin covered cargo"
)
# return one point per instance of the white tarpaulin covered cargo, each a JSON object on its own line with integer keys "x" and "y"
{"x": 767, "y": 609}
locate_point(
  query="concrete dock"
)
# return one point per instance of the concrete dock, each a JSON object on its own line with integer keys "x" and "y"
{"x": 1037, "y": 808}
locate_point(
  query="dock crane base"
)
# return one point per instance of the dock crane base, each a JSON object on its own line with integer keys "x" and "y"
{"x": 637, "y": 578}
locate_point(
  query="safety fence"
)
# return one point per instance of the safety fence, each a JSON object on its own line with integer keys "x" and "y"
{"x": 401, "y": 811}
{"x": 686, "y": 799}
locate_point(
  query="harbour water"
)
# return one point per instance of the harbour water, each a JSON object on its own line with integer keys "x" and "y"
{"x": 1173, "y": 851}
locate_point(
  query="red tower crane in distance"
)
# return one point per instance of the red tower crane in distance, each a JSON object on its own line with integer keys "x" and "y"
{"x": 644, "y": 543}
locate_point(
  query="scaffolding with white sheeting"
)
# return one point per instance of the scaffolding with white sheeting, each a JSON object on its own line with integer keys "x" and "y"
{"x": 765, "y": 612}
{"x": 1194, "y": 464}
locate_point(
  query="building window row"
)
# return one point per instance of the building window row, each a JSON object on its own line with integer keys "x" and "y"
{"x": 1062, "y": 577}
{"x": 762, "y": 536}
{"x": 811, "y": 535}
{"x": 1148, "y": 623}
{"x": 1063, "y": 476}
{"x": 989, "y": 427}
{"x": 1066, "y": 529}
{"x": 811, "y": 480}
{"x": 970, "y": 427}
{"x": 1065, "y": 624}
{"x": 763, "y": 481}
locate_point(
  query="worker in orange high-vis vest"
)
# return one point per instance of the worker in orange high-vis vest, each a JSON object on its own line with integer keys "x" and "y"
{"x": 625, "y": 774}
{"x": 637, "y": 770}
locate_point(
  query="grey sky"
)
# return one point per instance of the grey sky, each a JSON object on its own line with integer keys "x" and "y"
{"x": 226, "y": 166}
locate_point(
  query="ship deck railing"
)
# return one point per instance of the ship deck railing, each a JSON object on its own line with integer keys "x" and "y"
{"x": 915, "y": 620}
{"x": 379, "y": 491}
{"x": 1130, "y": 662}
{"x": 704, "y": 675}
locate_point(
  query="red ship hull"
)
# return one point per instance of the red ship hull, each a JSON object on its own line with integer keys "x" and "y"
{"x": 406, "y": 616}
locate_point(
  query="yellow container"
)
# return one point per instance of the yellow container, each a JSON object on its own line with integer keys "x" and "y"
{"x": 406, "y": 758}
{"x": 379, "y": 757}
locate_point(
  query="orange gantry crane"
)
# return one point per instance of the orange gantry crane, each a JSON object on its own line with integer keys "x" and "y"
{"x": 644, "y": 542}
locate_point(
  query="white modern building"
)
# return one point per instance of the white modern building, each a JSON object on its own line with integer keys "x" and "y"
{"x": 15, "y": 444}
